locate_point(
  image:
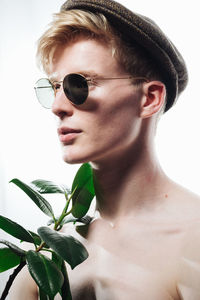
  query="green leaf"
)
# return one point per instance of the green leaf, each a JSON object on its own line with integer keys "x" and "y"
{"x": 36, "y": 238}
{"x": 70, "y": 219}
{"x": 8, "y": 259}
{"x": 83, "y": 230}
{"x": 65, "y": 291}
{"x": 15, "y": 230}
{"x": 42, "y": 203}
{"x": 14, "y": 248}
{"x": 57, "y": 260}
{"x": 42, "y": 295}
{"x": 45, "y": 273}
{"x": 48, "y": 187}
{"x": 69, "y": 248}
{"x": 84, "y": 193}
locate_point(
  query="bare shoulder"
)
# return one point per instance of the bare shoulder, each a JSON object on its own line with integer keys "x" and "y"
{"x": 188, "y": 212}
{"x": 183, "y": 203}
{"x": 189, "y": 207}
{"x": 23, "y": 287}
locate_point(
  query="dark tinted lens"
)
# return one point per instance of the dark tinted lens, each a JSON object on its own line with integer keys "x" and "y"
{"x": 76, "y": 88}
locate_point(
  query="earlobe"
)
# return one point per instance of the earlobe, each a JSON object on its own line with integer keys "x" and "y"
{"x": 154, "y": 93}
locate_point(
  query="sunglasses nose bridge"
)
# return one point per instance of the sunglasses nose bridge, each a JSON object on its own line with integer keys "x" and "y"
{"x": 61, "y": 104}
{"x": 61, "y": 93}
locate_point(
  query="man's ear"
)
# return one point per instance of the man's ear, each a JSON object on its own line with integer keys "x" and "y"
{"x": 154, "y": 93}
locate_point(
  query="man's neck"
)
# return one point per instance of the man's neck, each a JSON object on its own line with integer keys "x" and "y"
{"x": 128, "y": 185}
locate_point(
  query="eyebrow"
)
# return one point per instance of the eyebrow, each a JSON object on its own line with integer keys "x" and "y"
{"x": 89, "y": 73}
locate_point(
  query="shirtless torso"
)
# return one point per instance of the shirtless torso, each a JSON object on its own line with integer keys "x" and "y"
{"x": 140, "y": 259}
{"x": 154, "y": 258}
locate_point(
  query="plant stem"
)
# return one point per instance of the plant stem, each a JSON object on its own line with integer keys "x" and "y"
{"x": 64, "y": 212}
{"x": 40, "y": 247}
{"x": 11, "y": 279}
{"x": 63, "y": 215}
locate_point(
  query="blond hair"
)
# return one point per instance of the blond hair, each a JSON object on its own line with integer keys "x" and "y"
{"x": 67, "y": 26}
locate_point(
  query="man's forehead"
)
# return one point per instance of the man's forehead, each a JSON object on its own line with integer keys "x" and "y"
{"x": 87, "y": 57}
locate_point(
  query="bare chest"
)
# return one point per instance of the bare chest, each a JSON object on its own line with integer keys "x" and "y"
{"x": 136, "y": 263}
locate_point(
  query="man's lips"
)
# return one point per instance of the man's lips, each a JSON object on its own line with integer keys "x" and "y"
{"x": 67, "y": 135}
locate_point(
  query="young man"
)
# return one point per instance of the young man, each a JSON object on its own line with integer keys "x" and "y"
{"x": 113, "y": 74}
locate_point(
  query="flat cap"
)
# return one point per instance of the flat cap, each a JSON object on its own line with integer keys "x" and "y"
{"x": 147, "y": 34}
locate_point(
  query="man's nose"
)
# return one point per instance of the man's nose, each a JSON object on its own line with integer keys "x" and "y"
{"x": 62, "y": 106}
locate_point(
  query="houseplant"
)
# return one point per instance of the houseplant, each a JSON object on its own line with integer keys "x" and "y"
{"x": 49, "y": 274}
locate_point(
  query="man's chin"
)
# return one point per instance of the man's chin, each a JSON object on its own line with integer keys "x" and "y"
{"x": 73, "y": 159}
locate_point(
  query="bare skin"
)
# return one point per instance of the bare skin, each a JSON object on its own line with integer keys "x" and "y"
{"x": 138, "y": 257}
{"x": 146, "y": 256}
{"x": 145, "y": 244}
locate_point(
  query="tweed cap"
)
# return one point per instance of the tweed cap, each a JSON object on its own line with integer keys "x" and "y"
{"x": 142, "y": 30}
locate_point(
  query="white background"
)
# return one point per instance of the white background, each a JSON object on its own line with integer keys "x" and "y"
{"x": 29, "y": 144}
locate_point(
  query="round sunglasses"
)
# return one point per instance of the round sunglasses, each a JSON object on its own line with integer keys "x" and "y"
{"x": 75, "y": 87}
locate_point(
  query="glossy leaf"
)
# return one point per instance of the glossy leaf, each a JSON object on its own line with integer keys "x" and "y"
{"x": 42, "y": 295}
{"x": 8, "y": 259}
{"x": 83, "y": 230}
{"x": 15, "y": 230}
{"x": 50, "y": 221}
{"x": 45, "y": 273}
{"x": 36, "y": 238}
{"x": 69, "y": 248}
{"x": 48, "y": 187}
{"x": 65, "y": 291}
{"x": 71, "y": 219}
{"x": 67, "y": 219}
{"x": 57, "y": 260}
{"x": 13, "y": 247}
{"x": 84, "y": 193}
{"x": 42, "y": 203}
